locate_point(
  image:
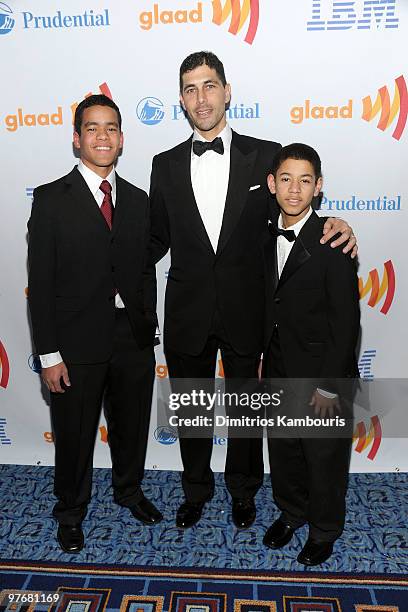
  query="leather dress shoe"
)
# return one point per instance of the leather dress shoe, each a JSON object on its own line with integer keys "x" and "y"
{"x": 278, "y": 534}
{"x": 70, "y": 538}
{"x": 314, "y": 552}
{"x": 146, "y": 512}
{"x": 243, "y": 512}
{"x": 189, "y": 514}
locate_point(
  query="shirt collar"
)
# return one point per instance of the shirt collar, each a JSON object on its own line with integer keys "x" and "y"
{"x": 225, "y": 135}
{"x": 94, "y": 181}
{"x": 297, "y": 226}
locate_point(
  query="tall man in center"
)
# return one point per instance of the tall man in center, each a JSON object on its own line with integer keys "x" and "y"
{"x": 209, "y": 205}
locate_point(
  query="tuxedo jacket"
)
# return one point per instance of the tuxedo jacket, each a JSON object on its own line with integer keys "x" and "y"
{"x": 76, "y": 264}
{"x": 315, "y": 305}
{"x": 200, "y": 280}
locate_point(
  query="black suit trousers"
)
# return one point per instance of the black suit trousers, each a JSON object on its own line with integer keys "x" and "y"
{"x": 125, "y": 382}
{"x": 244, "y": 462}
{"x": 309, "y": 475}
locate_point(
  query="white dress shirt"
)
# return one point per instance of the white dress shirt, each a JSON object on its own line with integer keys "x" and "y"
{"x": 209, "y": 179}
{"x": 283, "y": 248}
{"x": 93, "y": 181}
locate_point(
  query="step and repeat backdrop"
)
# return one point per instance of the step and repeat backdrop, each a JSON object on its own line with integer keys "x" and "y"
{"x": 329, "y": 73}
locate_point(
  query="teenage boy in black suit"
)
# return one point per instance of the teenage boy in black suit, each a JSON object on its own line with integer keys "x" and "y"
{"x": 92, "y": 297}
{"x": 311, "y": 333}
{"x": 210, "y": 202}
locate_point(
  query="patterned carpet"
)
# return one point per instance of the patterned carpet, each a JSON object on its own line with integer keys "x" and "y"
{"x": 375, "y": 538}
{"x": 63, "y": 588}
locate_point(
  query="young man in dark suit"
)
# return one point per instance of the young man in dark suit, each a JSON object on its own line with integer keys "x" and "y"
{"x": 92, "y": 297}
{"x": 312, "y": 328}
{"x": 210, "y": 203}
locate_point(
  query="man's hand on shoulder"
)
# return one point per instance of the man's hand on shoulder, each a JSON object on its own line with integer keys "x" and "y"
{"x": 52, "y": 377}
{"x": 335, "y": 226}
{"x": 324, "y": 406}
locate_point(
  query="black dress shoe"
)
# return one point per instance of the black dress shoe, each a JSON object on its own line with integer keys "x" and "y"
{"x": 70, "y": 538}
{"x": 243, "y": 513}
{"x": 146, "y": 512}
{"x": 314, "y": 552}
{"x": 189, "y": 514}
{"x": 278, "y": 534}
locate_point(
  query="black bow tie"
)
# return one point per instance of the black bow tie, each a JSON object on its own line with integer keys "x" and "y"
{"x": 276, "y": 231}
{"x": 201, "y": 146}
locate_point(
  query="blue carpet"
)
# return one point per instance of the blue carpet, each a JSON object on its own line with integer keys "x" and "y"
{"x": 375, "y": 537}
{"x": 79, "y": 588}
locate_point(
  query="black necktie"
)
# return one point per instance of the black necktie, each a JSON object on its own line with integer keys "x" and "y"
{"x": 276, "y": 231}
{"x": 201, "y": 146}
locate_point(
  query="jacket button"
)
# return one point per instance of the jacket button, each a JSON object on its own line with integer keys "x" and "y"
{"x": 277, "y": 300}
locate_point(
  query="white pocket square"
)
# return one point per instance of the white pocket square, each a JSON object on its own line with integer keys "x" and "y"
{"x": 254, "y": 187}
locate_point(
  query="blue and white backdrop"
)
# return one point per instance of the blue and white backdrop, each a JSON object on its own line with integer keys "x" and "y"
{"x": 329, "y": 73}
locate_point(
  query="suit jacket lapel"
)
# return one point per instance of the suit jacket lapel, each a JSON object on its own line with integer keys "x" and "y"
{"x": 181, "y": 173}
{"x": 121, "y": 203}
{"x": 241, "y": 165}
{"x": 302, "y": 249}
{"x": 84, "y": 199}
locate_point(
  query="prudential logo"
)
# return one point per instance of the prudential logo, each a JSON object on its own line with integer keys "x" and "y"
{"x": 165, "y": 435}
{"x": 150, "y": 111}
{"x": 6, "y": 18}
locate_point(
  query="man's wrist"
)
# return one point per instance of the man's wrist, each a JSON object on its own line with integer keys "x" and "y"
{"x": 50, "y": 359}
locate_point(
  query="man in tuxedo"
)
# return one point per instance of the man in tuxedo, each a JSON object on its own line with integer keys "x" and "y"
{"x": 92, "y": 297}
{"x": 312, "y": 327}
{"x": 210, "y": 203}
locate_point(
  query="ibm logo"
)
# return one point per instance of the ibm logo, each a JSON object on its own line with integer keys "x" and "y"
{"x": 357, "y": 14}
{"x": 3, "y": 436}
{"x": 365, "y": 365}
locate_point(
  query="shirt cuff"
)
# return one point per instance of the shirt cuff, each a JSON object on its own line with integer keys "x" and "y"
{"x": 50, "y": 359}
{"x": 326, "y": 393}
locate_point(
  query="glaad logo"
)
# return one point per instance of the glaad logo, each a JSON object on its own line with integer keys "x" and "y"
{"x": 150, "y": 111}
{"x": 3, "y": 436}
{"x": 103, "y": 89}
{"x": 387, "y": 109}
{"x": 239, "y": 15}
{"x": 375, "y": 14}
{"x": 6, "y": 19}
{"x": 365, "y": 364}
{"x": 165, "y": 435}
{"x": 22, "y": 119}
{"x": 239, "y": 12}
{"x": 4, "y": 367}
{"x": 148, "y": 19}
{"x": 377, "y": 290}
{"x": 366, "y": 437}
{"x": 310, "y": 111}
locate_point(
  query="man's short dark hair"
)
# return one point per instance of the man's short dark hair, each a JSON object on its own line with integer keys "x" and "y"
{"x": 95, "y": 100}
{"x": 199, "y": 59}
{"x": 297, "y": 150}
